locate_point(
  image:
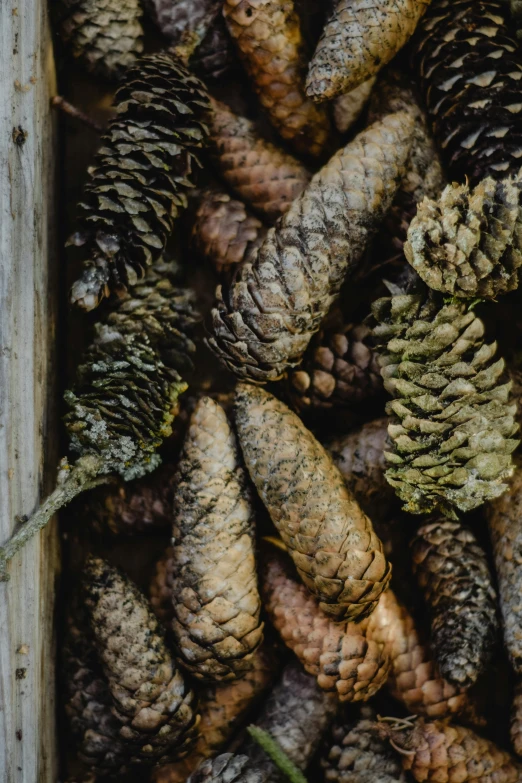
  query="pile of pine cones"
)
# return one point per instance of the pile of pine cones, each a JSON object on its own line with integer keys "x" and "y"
{"x": 297, "y": 234}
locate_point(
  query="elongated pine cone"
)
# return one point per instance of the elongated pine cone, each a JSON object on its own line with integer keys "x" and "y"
{"x": 453, "y": 574}
{"x": 439, "y": 751}
{"x": 263, "y": 176}
{"x": 223, "y": 231}
{"x": 414, "y": 678}
{"x": 331, "y": 541}
{"x": 142, "y": 171}
{"x": 266, "y": 316}
{"x": 469, "y": 70}
{"x": 452, "y": 423}
{"x": 270, "y": 44}
{"x": 338, "y": 370}
{"x": 504, "y": 516}
{"x": 469, "y": 242}
{"x": 348, "y": 107}
{"x": 150, "y": 699}
{"x": 357, "y": 41}
{"x": 516, "y": 719}
{"x": 229, "y": 768}
{"x": 343, "y": 657}
{"x": 223, "y": 708}
{"x": 104, "y": 35}
{"x": 214, "y": 581}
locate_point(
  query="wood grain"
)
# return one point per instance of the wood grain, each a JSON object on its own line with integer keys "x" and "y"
{"x": 27, "y": 391}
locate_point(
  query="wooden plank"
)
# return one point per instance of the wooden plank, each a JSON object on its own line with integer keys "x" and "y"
{"x": 27, "y": 389}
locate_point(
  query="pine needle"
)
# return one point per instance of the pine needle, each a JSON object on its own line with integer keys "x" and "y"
{"x": 277, "y": 754}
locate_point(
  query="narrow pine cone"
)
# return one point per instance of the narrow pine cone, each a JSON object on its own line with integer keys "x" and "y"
{"x": 436, "y": 751}
{"x": 140, "y": 177}
{"x": 338, "y": 370}
{"x": 453, "y": 574}
{"x": 347, "y": 108}
{"x": 469, "y": 242}
{"x": 266, "y": 316}
{"x": 214, "y": 581}
{"x": 516, "y": 720}
{"x": 331, "y": 541}
{"x": 269, "y": 41}
{"x": 469, "y": 69}
{"x": 229, "y": 768}
{"x": 264, "y": 176}
{"x": 358, "y": 39}
{"x": 452, "y": 423}
{"x": 223, "y": 231}
{"x": 104, "y": 35}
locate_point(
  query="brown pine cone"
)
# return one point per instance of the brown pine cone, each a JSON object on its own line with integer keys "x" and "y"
{"x": 331, "y": 541}
{"x": 214, "y": 581}
{"x": 343, "y": 656}
{"x": 348, "y": 108}
{"x": 469, "y": 242}
{"x": 176, "y": 18}
{"x": 414, "y": 679}
{"x": 215, "y": 56}
{"x": 516, "y": 719}
{"x": 358, "y": 39}
{"x": 229, "y": 768}
{"x": 267, "y": 315}
{"x": 223, "y": 231}
{"x": 269, "y": 41}
{"x": 338, "y": 370}
{"x": 504, "y": 516}
{"x": 263, "y": 176}
{"x": 438, "y": 751}
{"x": 452, "y": 571}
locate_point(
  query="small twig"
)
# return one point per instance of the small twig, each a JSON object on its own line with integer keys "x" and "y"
{"x": 277, "y": 542}
{"x": 402, "y": 751}
{"x": 67, "y": 108}
{"x": 277, "y": 754}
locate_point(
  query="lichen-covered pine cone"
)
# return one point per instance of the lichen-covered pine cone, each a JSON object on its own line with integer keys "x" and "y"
{"x": 266, "y": 316}
{"x": 469, "y": 69}
{"x": 338, "y": 370}
{"x": 516, "y": 719}
{"x": 358, "y": 39}
{"x": 223, "y": 231}
{"x": 452, "y": 422}
{"x": 151, "y": 701}
{"x": 504, "y": 516}
{"x": 229, "y": 768}
{"x": 141, "y": 174}
{"x": 439, "y": 751}
{"x": 331, "y": 541}
{"x": 264, "y": 176}
{"x": 469, "y": 242}
{"x": 104, "y": 35}
{"x": 453, "y": 574}
{"x": 269, "y": 41}
{"x": 414, "y": 679}
{"x": 357, "y": 754}
{"x": 214, "y": 580}
{"x": 348, "y": 107}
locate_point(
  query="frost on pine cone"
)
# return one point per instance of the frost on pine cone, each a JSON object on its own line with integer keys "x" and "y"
{"x": 141, "y": 174}
{"x": 104, "y": 35}
{"x": 453, "y": 573}
{"x": 469, "y": 242}
{"x": 469, "y": 68}
{"x": 452, "y": 422}
{"x": 266, "y": 316}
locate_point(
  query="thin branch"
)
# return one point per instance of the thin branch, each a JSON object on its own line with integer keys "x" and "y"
{"x": 277, "y": 754}
{"x": 58, "y": 102}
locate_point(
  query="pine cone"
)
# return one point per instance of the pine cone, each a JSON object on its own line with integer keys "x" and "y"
{"x": 262, "y": 175}
{"x": 266, "y": 316}
{"x": 348, "y": 107}
{"x": 338, "y": 370}
{"x": 414, "y": 679}
{"x": 140, "y": 177}
{"x": 358, "y": 39}
{"x": 357, "y": 754}
{"x": 214, "y": 581}
{"x": 343, "y": 656}
{"x": 438, "y": 751}
{"x": 452, "y": 423}
{"x": 176, "y": 18}
{"x": 506, "y": 537}
{"x": 331, "y": 541}
{"x": 270, "y": 44}
{"x": 150, "y": 699}
{"x": 104, "y": 35}
{"x": 469, "y": 71}
{"x": 228, "y": 768}
{"x": 453, "y": 573}
{"x": 469, "y": 243}
{"x": 215, "y": 56}
{"x": 516, "y": 720}
{"x": 223, "y": 231}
